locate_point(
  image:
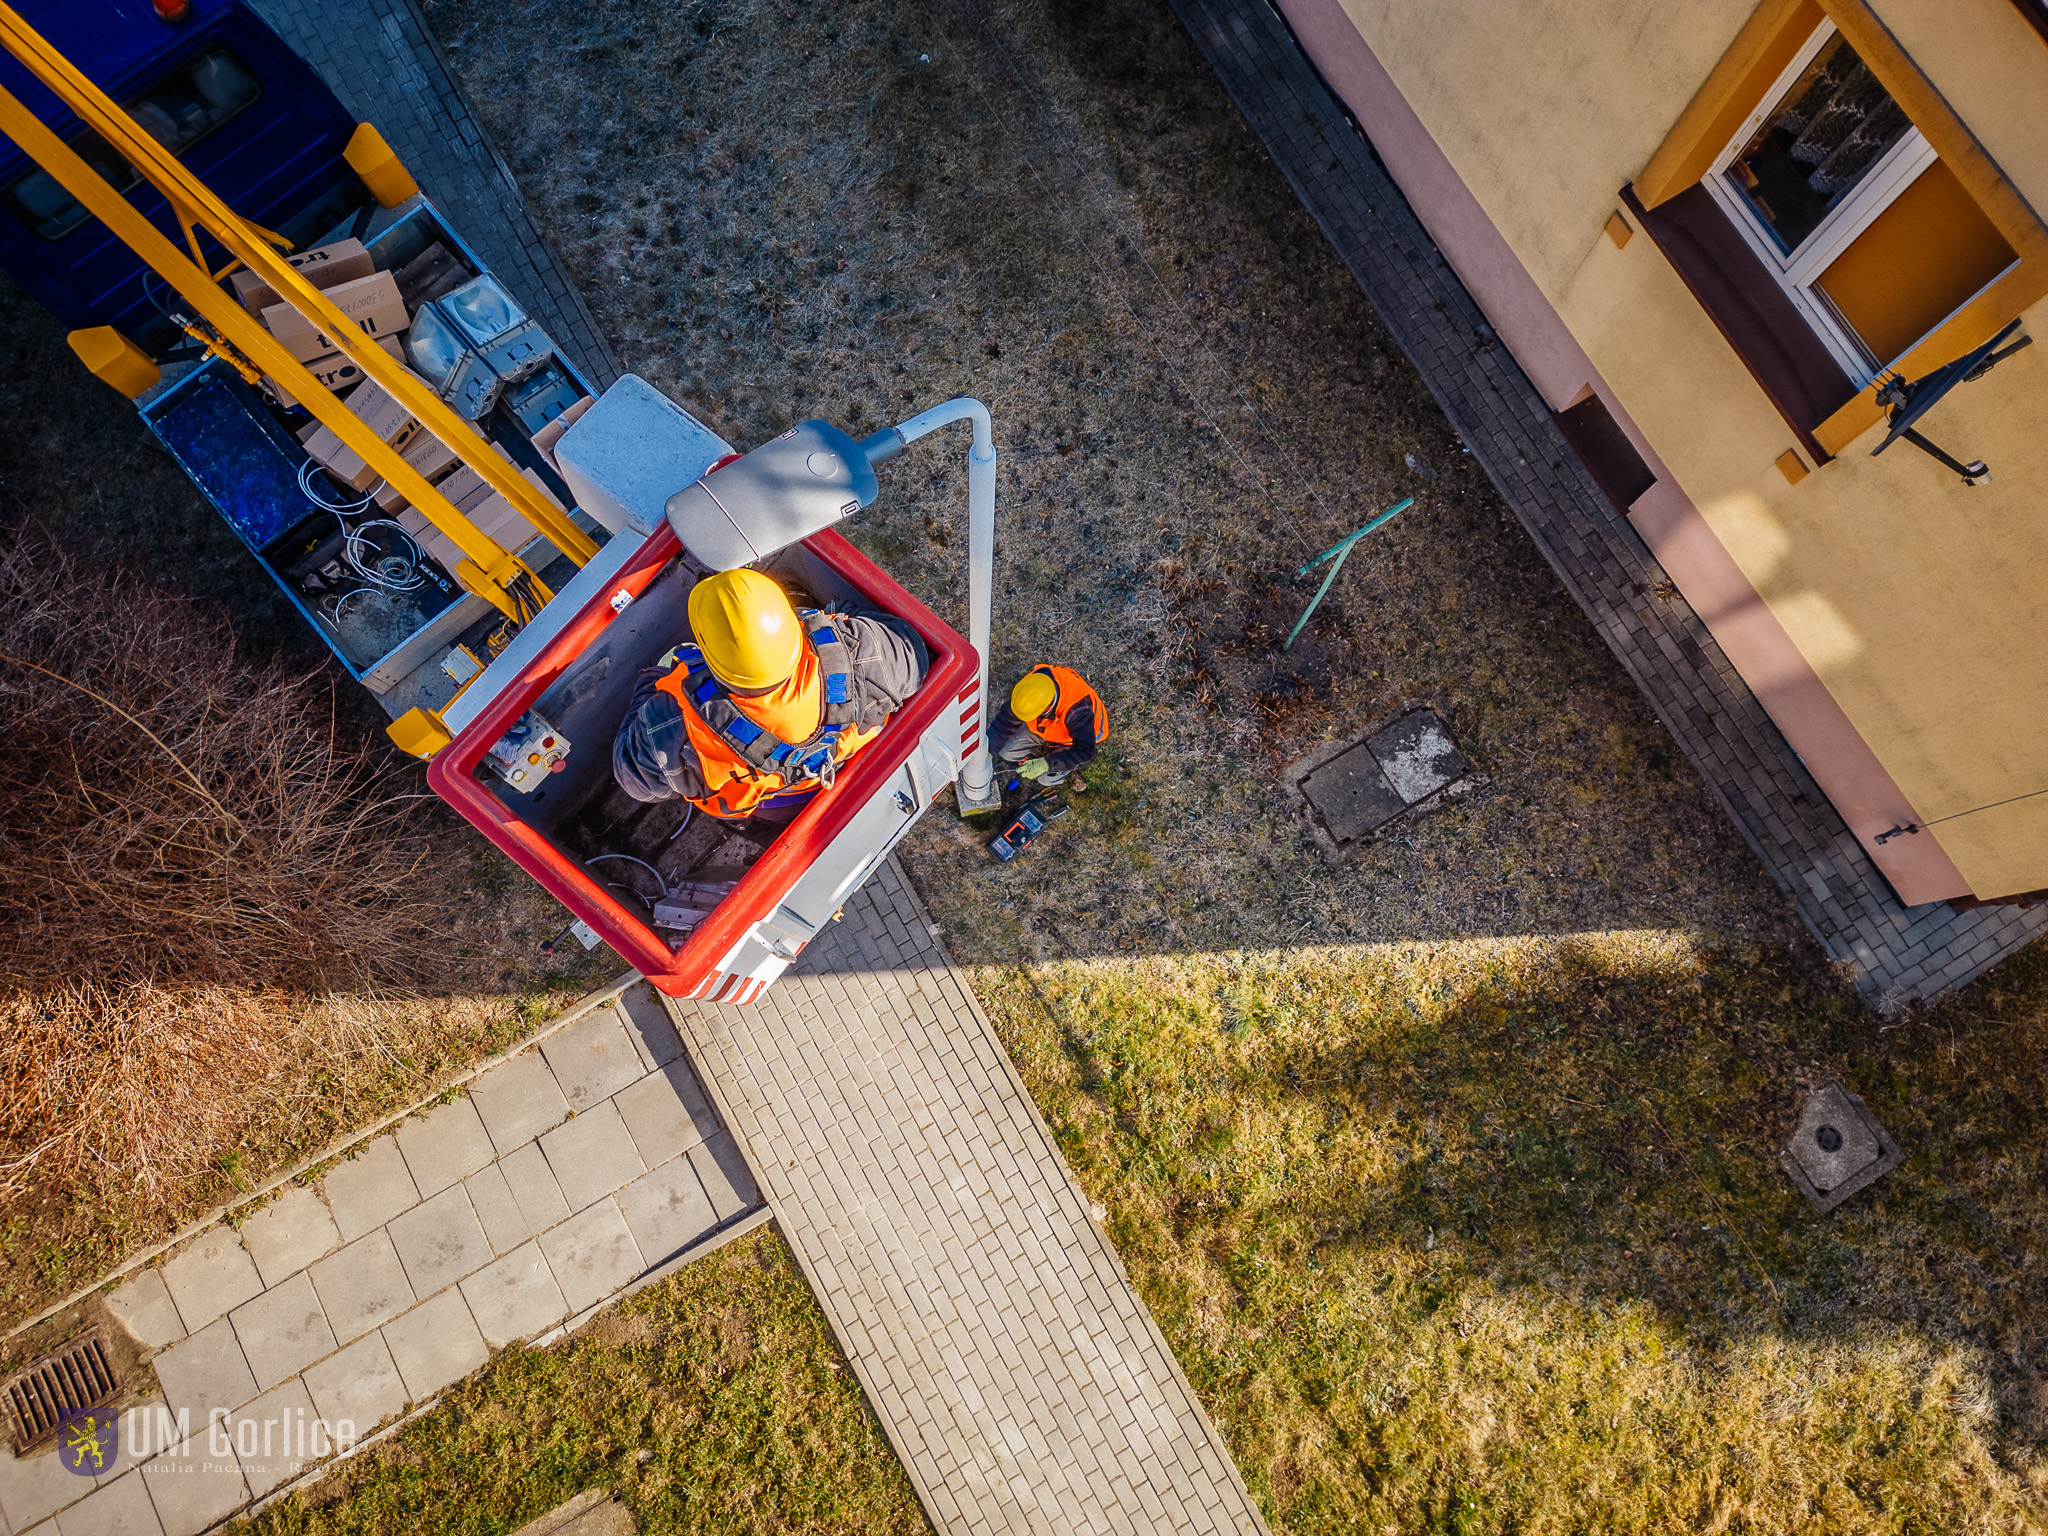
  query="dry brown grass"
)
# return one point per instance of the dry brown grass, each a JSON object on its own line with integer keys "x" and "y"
{"x": 205, "y": 892}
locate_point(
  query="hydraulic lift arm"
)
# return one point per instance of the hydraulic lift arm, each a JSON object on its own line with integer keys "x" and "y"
{"x": 487, "y": 568}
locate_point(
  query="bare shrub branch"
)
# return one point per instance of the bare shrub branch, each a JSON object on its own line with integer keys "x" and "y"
{"x": 160, "y": 949}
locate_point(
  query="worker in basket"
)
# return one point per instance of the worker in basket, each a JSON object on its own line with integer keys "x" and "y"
{"x": 1050, "y": 727}
{"x": 767, "y": 705}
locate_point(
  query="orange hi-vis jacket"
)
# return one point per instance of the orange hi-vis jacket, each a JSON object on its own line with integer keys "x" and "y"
{"x": 782, "y": 744}
{"x": 1070, "y": 688}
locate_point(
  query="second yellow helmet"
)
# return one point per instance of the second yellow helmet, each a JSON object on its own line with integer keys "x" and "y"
{"x": 1033, "y": 695}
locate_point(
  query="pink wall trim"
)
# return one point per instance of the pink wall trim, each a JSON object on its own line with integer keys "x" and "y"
{"x": 1834, "y": 752}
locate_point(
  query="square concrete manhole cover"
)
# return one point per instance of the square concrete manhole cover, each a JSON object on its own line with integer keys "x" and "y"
{"x": 1838, "y": 1148}
{"x": 1357, "y": 787}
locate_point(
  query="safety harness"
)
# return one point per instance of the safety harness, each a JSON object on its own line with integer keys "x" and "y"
{"x": 798, "y": 764}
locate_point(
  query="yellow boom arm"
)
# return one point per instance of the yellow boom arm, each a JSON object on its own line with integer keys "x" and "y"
{"x": 487, "y": 568}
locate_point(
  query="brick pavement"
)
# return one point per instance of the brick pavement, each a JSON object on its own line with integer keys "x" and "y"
{"x": 1898, "y": 954}
{"x": 1019, "y": 1377}
{"x": 380, "y": 59}
{"x": 579, "y": 1167}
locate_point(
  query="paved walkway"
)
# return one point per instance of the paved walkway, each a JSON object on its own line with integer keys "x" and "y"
{"x": 380, "y": 59}
{"x": 567, "y": 1174}
{"x": 1898, "y": 953}
{"x": 1020, "y": 1379}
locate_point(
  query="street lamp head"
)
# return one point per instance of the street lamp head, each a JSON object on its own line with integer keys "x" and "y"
{"x": 779, "y": 494}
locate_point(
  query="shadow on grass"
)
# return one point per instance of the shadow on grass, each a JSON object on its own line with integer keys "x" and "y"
{"x": 1504, "y": 1223}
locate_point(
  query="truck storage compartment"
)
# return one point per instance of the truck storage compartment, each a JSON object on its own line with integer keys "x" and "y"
{"x": 577, "y": 833}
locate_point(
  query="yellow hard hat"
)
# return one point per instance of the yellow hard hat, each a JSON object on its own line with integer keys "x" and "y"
{"x": 750, "y": 635}
{"x": 1033, "y": 695}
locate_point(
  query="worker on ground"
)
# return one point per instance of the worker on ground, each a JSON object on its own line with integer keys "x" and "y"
{"x": 768, "y": 703}
{"x": 1050, "y": 727}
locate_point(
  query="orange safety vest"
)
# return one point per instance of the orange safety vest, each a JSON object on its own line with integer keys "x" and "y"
{"x": 785, "y": 743}
{"x": 1069, "y": 689}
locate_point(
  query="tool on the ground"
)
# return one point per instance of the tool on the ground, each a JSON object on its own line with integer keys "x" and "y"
{"x": 1342, "y": 550}
{"x": 1025, "y": 828}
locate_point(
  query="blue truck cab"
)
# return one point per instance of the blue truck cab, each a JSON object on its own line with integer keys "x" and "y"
{"x": 256, "y": 124}
{"x": 223, "y": 92}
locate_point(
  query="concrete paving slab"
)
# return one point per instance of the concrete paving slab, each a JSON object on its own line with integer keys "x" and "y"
{"x": 440, "y": 1242}
{"x": 282, "y": 1331}
{"x": 726, "y": 1177}
{"x": 514, "y": 1297}
{"x": 667, "y": 1210}
{"x": 193, "y": 1489}
{"x": 277, "y": 1435}
{"x": 144, "y": 1307}
{"x": 205, "y": 1372}
{"x": 592, "y": 1059}
{"x": 369, "y": 1189}
{"x": 498, "y": 1213}
{"x": 362, "y": 1286}
{"x": 140, "y": 1421}
{"x": 210, "y": 1275}
{"x": 592, "y": 1155}
{"x": 533, "y": 1187}
{"x": 592, "y": 1254}
{"x": 518, "y": 1099}
{"x": 594, "y": 1512}
{"x": 360, "y": 1384}
{"x": 35, "y": 1487}
{"x": 444, "y": 1146}
{"x": 290, "y": 1233}
{"x": 654, "y": 1033}
{"x": 122, "y": 1508}
{"x": 437, "y": 1342}
{"x": 666, "y": 1113}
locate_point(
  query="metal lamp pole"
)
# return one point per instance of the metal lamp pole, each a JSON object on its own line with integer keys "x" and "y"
{"x": 976, "y": 791}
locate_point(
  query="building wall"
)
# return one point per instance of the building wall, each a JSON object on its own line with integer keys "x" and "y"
{"x": 1920, "y": 605}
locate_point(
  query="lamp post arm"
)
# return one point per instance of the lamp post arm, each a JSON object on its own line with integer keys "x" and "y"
{"x": 976, "y": 789}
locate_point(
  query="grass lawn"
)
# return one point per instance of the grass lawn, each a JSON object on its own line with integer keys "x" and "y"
{"x": 1451, "y": 1172}
{"x": 713, "y": 1402}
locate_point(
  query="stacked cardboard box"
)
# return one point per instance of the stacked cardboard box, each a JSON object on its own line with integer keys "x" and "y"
{"x": 381, "y": 302}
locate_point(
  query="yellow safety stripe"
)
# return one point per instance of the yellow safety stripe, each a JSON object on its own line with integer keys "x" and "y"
{"x": 195, "y": 202}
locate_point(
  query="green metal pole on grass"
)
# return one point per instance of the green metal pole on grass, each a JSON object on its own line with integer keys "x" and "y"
{"x": 1342, "y": 550}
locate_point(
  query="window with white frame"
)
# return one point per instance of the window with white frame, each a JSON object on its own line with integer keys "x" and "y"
{"x": 1812, "y": 168}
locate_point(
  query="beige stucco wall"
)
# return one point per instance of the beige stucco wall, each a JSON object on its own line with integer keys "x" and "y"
{"x": 1922, "y": 604}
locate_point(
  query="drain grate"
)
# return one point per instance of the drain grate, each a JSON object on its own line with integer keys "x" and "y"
{"x": 77, "y": 1377}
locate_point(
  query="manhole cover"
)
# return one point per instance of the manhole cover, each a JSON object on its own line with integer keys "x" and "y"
{"x": 1838, "y": 1148}
{"x": 1363, "y": 785}
{"x": 77, "y": 1377}
{"x": 1418, "y": 756}
{"x": 1352, "y": 795}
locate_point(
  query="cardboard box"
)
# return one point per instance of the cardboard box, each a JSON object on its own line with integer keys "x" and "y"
{"x": 371, "y": 302}
{"x": 498, "y": 519}
{"x": 427, "y": 454}
{"x": 463, "y": 486}
{"x": 551, "y": 434}
{"x": 325, "y": 266}
{"x": 335, "y": 370}
{"x": 381, "y": 412}
{"x": 340, "y": 460}
{"x": 432, "y": 274}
